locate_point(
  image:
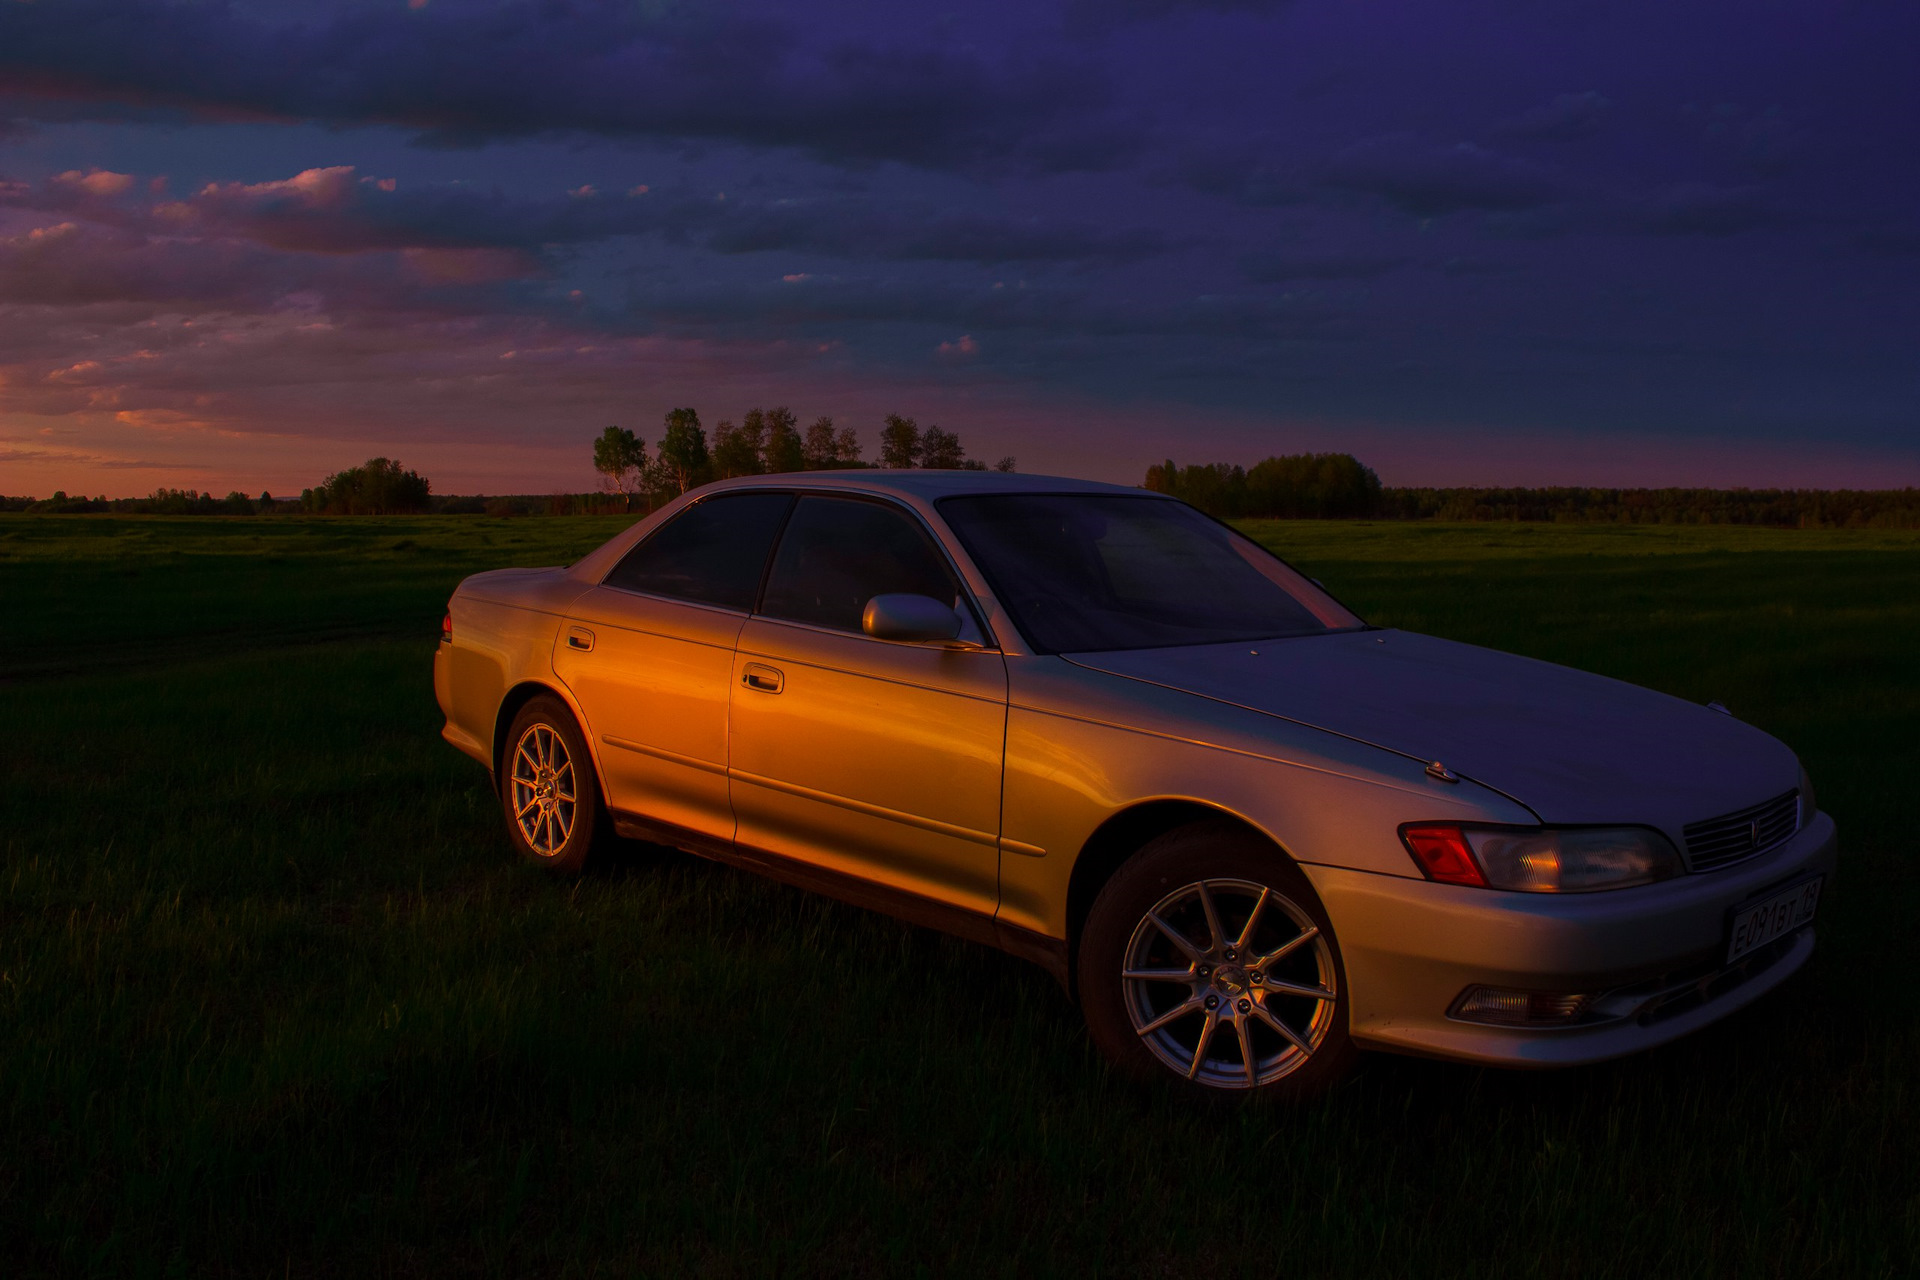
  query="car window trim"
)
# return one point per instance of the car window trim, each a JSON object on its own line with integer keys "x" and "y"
{"x": 926, "y": 528}
{"x": 765, "y": 566}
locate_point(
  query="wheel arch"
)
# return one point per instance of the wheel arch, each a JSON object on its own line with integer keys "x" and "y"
{"x": 1124, "y": 834}
{"x": 519, "y": 696}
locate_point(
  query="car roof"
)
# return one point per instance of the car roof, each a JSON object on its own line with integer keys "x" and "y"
{"x": 918, "y": 487}
{"x": 927, "y": 485}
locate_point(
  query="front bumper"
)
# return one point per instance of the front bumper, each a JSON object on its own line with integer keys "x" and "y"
{"x": 1411, "y": 946}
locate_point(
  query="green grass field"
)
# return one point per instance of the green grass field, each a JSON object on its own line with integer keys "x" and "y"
{"x": 275, "y": 1001}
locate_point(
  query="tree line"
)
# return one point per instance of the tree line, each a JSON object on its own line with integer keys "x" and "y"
{"x": 1299, "y": 486}
{"x": 1338, "y": 486}
{"x": 382, "y": 487}
{"x": 1296, "y": 486}
{"x": 379, "y": 487}
{"x": 161, "y": 502}
{"x": 1771, "y": 508}
{"x": 764, "y": 442}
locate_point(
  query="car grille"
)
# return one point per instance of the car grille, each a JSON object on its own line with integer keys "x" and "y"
{"x": 1719, "y": 841}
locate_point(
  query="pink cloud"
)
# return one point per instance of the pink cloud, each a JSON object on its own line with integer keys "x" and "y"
{"x": 83, "y": 372}
{"x": 263, "y": 334}
{"x": 278, "y": 394}
{"x": 100, "y": 183}
{"x": 470, "y": 266}
{"x": 324, "y": 188}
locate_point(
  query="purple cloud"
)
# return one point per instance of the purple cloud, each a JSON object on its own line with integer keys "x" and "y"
{"x": 460, "y": 75}
{"x": 1568, "y": 117}
{"x": 1509, "y": 218}
{"x": 1430, "y": 181}
{"x": 336, "y": 209}
{"x": 1702, "y": 209}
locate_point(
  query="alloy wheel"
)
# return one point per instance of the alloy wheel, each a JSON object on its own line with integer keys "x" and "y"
{"x": 1230, "y": 983}
{"x": 545, "y": 795}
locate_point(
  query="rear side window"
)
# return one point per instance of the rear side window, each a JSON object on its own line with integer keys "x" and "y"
{"x": 712, "y": 553}
{"x": 839, "y": 553}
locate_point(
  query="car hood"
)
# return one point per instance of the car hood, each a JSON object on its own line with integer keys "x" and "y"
{"x": 1572, "y": 746}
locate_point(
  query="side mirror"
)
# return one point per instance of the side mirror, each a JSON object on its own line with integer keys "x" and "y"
{"x": 909, "y": 617}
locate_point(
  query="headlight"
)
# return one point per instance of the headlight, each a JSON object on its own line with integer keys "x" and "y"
{"x": 1807, "y": 807}
{"x": 1573, "y": 860}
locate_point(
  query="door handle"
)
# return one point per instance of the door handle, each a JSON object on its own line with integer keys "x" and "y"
{"x": 579, "y": 638}
{"x": 765, "y": 679}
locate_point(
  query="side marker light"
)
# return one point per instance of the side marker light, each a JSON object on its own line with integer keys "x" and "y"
{"x": 1443, "y": 854}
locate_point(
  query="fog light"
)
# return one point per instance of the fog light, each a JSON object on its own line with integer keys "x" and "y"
{"x": 1518, "y": 1008}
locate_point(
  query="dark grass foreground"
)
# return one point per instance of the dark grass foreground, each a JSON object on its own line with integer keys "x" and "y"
{"x": 273, "y": 1000}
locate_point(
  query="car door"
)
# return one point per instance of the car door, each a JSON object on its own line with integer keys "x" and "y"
{"x": 649, "y": 655}
{"x": 870, "y": 758}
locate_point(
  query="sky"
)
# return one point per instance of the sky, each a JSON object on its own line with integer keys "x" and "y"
{"x": 1610, "y": 242}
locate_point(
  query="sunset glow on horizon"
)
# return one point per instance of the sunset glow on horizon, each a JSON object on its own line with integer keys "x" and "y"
{"x": 242, "y": 247}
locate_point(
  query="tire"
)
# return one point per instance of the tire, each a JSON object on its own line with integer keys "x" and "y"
{"x": 1206, "y": 944}
{"x": 548, "y": 791}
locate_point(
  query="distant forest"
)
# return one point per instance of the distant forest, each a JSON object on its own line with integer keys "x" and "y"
{"x": 765, "y": 442}
{"x": 1293, "y": 487}
{"x": 379, "y": 487}
{"x": 1338, "y": 486}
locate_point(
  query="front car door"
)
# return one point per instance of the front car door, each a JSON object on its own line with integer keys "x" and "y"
{"x": 868, "y": 758}
{"x": 649, "y": 655}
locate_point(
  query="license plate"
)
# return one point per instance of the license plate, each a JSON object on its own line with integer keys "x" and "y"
{"x": 1761, "y": 923}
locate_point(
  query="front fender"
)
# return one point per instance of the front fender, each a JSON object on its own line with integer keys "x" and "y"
{"x": 1083, "y": 746}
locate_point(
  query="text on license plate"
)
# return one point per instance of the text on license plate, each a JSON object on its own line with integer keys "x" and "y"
{"x": 1761, "y": 923}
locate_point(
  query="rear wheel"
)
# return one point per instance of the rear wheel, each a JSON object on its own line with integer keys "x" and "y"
{"x": 548, "y": 789}
{"x": 1209, "y": 959}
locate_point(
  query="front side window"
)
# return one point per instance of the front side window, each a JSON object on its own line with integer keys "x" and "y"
{"x": 712, "y": 553}
{"x": 1084, "y": 572}
{"x": 839, "y": 553}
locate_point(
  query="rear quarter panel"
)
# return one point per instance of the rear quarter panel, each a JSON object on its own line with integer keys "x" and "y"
{"x": 504, "y": 626}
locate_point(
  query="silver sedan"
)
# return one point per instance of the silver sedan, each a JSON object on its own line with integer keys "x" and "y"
{"x": 1248, "y": 832}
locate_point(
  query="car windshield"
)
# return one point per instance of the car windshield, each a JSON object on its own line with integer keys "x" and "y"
{"x": 1084, "y": 572}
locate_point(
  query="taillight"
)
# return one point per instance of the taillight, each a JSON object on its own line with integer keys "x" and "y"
{"x": 1443, "y": 854}
{"x": 446, "y": 629}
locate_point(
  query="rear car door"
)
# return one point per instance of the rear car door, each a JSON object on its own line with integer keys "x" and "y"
{"x": 649, "y": 656}
{"x": 870, "y": 758}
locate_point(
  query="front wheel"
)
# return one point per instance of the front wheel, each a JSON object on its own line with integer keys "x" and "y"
{"x": 548, "y": 789}
{"x": 1209, "y": 959}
